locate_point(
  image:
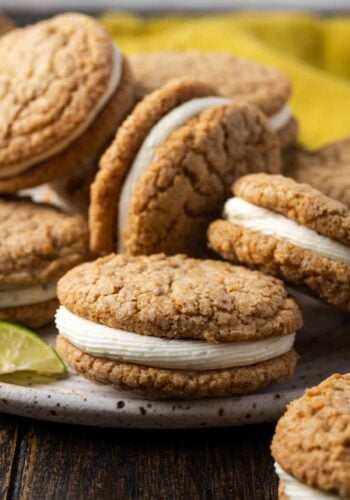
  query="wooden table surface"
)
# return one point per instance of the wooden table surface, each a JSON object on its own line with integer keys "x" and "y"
{"x": 41, "y": 460}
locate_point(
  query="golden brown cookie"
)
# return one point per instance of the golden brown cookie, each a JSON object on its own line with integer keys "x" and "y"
{"x": 170, "y": 166}
{"x": 6, "y": 24}
{"x": 176, "y": 326}
{"x": 289, "y": 230}
{"x": 38, "y": 245}
{"x": 61, "y": 103}
{"x": 32, "y": 316}
{"x": 326, "y": 169}
{"x": 231, "y": 76}
{"x": 311, "y": 445}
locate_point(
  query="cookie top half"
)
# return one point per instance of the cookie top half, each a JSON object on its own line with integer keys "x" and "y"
{"x": 312, "y": 439}
{"x": 158, "y": 194}
{"x": 38, "y": 243}
{"x": 179, "y": 297}
{"x": 232, "y": 76}
{"x": 56, "y": 77}
{"x": 299, "y": 202}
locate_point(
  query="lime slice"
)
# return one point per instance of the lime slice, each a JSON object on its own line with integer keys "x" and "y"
{"x": 21, "y": 349}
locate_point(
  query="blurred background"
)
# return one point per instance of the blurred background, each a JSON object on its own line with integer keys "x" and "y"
{"x": 147, "y": 6}
{"x": 308, "y": 40}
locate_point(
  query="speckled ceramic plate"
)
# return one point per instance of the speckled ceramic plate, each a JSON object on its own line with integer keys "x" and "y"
{"x": 324, "y": 346}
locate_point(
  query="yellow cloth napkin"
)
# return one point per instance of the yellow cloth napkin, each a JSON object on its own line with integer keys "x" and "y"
{"x": 313, "y": 51}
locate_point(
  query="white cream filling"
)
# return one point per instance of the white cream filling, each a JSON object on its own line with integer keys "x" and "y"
{"x": 158, "y": 134}
{"x": 295, "y": 490}
{"x": 24, "y": 296}
{"x": 280, "y": 119}
{"x": 19, "y": 167}
{"x": 120, "y": 345}
{"x": 250, "y": 216}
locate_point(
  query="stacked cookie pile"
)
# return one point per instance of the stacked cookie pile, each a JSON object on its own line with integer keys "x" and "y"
{"x": 148, "y": 153}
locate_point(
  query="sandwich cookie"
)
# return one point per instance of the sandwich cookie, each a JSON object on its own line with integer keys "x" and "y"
{"x": 326, "y": 169}
{"x": 170, "y": 166}
{"x": 38, "y": 245}
{"x": 289, "y": 230}
{"x": 176, "y": 327}
{"x": 64, "y": 88}
{"x": 311, "y": 445}
{"x": 232, "y": 77}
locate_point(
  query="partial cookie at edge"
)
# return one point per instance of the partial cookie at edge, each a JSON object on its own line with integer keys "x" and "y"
{"x": 299, "y": 202}
{"x": 33, "y": 315}
{"x": 85, "y": 147}
{"x": 311, "y": 441}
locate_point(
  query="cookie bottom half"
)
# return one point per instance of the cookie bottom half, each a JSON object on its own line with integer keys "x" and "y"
{"x": 323, "y": 278}
{"x": 158, "y": 383}
{"x": 31, "y": 316}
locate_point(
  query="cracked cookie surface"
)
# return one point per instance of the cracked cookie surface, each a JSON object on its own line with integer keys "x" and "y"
{"x": 188, "y": 179}
{"x": 326, "y": 169}
{"x": 324, "y": 278}
{"x": 299, "y": 202}
{"x": 118, "y": 158}
{"x": 312, "y": 439}
{"x": 51, "y": 92}
{"x": 179, "y": 384}
{"x": 38, "y": 243}
{"x": 179, "y": 297}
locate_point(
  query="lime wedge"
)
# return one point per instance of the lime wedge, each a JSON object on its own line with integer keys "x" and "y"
{"x": 21, "y": 349}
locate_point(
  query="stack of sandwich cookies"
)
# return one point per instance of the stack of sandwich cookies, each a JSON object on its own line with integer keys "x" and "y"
{"x": 289, "y": 230}
{"x": 311, "y": 445}
{"x": 38, "y": 245}
{"x": 176, "y": 327}
{"x": 325, "y": 169}
{"x": 169, "y": 169}
{"x": 65, "y": 89}
{"x": 232, "y": 77}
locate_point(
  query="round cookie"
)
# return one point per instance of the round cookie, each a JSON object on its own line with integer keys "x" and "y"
{"x": 38, "y": 245}
{"x": 289, "y": 230}
{"x": 176, "y": 327}
{"x": 231, "y": 76}
{"x": 311, "y": 444}
{"x": 61, "y": 102}
{"x": 326, "y": 169}
{"x": 170, "y": 167}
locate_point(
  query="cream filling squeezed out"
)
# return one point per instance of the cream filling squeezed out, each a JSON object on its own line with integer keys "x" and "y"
{"x": 295, "y": 490}
{"x": 120, "y": 345}
{"x": 259, "y": 219}
{"x": 17, "y": 168}
{"x": 157, "y": 135}
{"x": 25, "y": 296}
